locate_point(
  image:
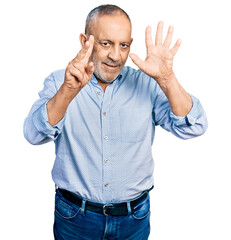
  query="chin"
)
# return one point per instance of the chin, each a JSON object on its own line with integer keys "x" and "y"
{"x": 107, "y": 78}
{"x": 111, "y": 76}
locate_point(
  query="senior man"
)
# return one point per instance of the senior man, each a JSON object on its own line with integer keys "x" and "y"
{"x": 102, "y": 117}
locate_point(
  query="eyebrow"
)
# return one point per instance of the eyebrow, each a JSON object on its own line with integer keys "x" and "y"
{"x": 107, "y": 40}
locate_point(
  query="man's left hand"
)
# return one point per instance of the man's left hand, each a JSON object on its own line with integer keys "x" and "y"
{"x": 159, "y": 60}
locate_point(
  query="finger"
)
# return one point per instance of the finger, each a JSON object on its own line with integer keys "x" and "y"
{"x": 90, "y": 69}
{"x": 86, "y": 50}
{"x": 75, "y": 72}
{"x": 148, "y": 37}
{"x": 159, "y": 33}
{"x": 80, "y": 66}
{"x": 81, "y": 54}
{"x": 175, "y": 48}
{"x": 168, "y": 38}
{"x": 89, "y": 51}
{"x": 137, "y": 61}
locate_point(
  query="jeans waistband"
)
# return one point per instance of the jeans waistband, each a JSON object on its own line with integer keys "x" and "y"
{"x": 110, "y": 209}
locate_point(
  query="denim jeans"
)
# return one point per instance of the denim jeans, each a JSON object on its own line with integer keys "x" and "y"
{"x": 76, "y": 223}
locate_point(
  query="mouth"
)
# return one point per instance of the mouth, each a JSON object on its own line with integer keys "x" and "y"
{"x": 111, "y": 66}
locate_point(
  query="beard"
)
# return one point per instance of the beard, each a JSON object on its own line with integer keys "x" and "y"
{"x": 101, "y": 75}
{"x": 100, "y": 78}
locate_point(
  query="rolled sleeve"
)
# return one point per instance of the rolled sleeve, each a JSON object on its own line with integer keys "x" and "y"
{"x": 36, "y": 128}
{"x": 41, "y": 122}
{"x": 190, "y": 126}
{"x": 191, "y": 118}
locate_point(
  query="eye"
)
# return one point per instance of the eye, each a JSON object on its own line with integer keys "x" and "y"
{"x": 105, "y": 44}
{"x": 124, "y": 46}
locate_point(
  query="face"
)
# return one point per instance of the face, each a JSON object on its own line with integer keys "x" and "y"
{"x": 112, "y": 45}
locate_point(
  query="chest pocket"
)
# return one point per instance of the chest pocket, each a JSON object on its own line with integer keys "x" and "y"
{"x": 133, "y": 124}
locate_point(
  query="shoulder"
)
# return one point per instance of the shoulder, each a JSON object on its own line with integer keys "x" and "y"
{"x": 138, "y": 77}
{"x": 142, "y": 82}
{"x": 58, "y": 75}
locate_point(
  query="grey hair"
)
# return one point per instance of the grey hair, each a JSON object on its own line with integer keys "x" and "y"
{"x": 106, "y": 9}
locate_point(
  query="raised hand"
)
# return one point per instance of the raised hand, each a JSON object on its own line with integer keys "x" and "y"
{"x": 77, "y": 75}
{"x": 159, "y": 60}
{"x": 79, "y": 71}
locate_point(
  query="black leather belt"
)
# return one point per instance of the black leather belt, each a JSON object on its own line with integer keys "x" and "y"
{"x": 115, "y": 209}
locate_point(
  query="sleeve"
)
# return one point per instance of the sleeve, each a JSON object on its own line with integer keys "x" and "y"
{"x": 36, "y": 128}
{"x": 190, "y": 126}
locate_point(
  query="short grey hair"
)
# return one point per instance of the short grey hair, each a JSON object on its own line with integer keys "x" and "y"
{"x": 106, "y": 9}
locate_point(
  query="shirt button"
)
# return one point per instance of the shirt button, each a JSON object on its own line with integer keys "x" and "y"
{"x": 106, "y": 160}
{"x": 99, "y": 92}
{"x": 105, "y": 137}
{"x": 106, "y": 185}
{"x": 104, "y": 113}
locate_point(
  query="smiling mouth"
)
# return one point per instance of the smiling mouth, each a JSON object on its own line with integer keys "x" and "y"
{"x": 111, "y": 66}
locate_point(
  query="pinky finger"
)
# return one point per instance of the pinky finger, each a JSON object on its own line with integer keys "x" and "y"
{"x": 175, "y": 48}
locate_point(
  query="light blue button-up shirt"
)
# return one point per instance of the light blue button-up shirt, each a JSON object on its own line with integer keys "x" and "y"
{"x": 104, "y": 142}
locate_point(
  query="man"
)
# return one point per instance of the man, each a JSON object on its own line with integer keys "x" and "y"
{"x": 102, "y": 116}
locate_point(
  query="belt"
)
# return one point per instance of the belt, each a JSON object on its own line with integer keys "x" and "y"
{"x": 111, "y": 209}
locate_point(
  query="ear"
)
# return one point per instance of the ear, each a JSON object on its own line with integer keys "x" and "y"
{"x": 131, "y": 41}
{"x": 83, "y": 38}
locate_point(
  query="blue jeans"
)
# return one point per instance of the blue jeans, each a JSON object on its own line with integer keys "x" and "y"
{"x": 76, "y": 223}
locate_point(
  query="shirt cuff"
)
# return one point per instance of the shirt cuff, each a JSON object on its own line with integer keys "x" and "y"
{"x": 41, "y": 122}
{"x": 192, "y": 116}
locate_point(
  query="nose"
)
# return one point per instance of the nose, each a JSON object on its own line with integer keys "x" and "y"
{"x": 114, "y": 53}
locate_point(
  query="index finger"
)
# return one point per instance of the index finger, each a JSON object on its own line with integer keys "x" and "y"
{"x": 85, "y": 52}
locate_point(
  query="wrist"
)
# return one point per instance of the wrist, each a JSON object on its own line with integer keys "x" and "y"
{"x": 167, "y": 81}
{"x": 68, "y": 93}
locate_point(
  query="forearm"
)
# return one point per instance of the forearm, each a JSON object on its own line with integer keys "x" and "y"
{"x": 179, "y": 100}
{"x": 57, "y": 106}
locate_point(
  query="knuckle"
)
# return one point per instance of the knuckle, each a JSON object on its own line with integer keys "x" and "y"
{"x": 70, "y": 64}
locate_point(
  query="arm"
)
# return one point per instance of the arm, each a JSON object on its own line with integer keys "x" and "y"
{"x": 46, "y": 118}
{"x": 159, "y": 65}
{"x": 78, "y": 72}
{"x": 185, "y": 127}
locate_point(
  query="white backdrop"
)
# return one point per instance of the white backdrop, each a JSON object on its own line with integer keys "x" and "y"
{"x": 192, "y": 194}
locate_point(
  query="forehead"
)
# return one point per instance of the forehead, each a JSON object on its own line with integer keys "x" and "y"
{"x": 116, "y": 28}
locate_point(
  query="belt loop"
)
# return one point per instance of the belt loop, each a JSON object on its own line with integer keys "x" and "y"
{"x": 82, "y": 209}
{"x": 129, "y": 208}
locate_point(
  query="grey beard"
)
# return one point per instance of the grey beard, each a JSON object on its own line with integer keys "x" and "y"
{"x": 104, "y": 80}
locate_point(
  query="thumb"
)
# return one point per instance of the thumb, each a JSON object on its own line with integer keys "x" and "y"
{"x": 137, "y": 60}
{"x": 90, "y": 69}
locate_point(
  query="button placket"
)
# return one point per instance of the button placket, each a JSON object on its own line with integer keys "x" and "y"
{"x": 107, "y": 171}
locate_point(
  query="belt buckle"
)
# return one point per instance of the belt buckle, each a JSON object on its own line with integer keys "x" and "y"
{"x": 106, "y": 205}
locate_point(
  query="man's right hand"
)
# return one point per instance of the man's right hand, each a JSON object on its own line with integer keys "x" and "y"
{"x": 78, "y": 74}
{"x": 79, "y": 71}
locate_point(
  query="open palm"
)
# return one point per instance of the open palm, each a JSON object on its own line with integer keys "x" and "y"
{"x": 159, "y": 60}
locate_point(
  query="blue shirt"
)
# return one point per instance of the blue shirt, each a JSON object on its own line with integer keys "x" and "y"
{"x": 103, "y": 144}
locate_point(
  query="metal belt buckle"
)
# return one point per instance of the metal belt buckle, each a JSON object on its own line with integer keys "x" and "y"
{"x": 104, "y": 209}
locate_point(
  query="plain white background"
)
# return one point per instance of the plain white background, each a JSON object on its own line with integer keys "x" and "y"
{"x": 192, "y": 194}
